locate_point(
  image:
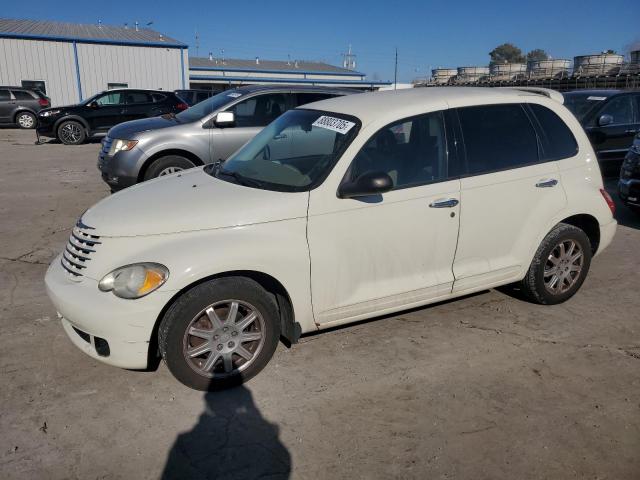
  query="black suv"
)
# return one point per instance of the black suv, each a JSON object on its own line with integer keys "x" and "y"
{"x": 191, "y": 97}
{"x": 611, "y": 118}
{"x": 73, "y": 124}
{"x": 629, "y": 185}
{"x": 19, "y": 106}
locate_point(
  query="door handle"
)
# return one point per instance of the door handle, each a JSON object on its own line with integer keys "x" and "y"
{"x": 280, "y": 137}
{"x": 547, "y": 183}
{"x": 444, "y": 203}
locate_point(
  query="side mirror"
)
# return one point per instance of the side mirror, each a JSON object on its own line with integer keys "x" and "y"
{"x": 94, "y": 104}
{"x": 605, "y": 120}
{"x": 369, "y": 183}
{"x": 225, "y": 119}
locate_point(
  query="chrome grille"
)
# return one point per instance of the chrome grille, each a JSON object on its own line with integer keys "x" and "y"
{"x": 82, "y": 244}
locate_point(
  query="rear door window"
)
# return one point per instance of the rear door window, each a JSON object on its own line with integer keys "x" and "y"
{"x": 556, "y": 138}
{"x": 138, "y": 97}
{"x": 260, "y": 110}
{"x": 497, "y": 137}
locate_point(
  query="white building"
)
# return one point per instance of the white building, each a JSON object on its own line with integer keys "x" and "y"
{"x": 71, "y": 62}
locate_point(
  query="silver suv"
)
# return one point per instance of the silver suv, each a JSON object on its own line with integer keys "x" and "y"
{"x": 209, "y": 131}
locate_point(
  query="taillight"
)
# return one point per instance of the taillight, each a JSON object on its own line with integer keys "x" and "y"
{"x": 182, "y": 106}
{"x": 609, "y": 200}
{"x": 43, "y": 102}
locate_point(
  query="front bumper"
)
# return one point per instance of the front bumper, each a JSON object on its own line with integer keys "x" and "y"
{"x": 120, "y": 170}
{"x": 90, "y": 316}
{"x": 46, "y": 126}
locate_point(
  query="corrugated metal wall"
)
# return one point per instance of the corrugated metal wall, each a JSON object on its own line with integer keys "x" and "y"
{"x": 138, "y": 67}
{"x": 52, "y": 62}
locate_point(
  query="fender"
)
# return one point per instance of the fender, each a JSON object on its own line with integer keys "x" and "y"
{"x": 77, "y": 118}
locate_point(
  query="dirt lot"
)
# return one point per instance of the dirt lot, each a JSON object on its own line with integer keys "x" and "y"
{"x": 482, "y": 387}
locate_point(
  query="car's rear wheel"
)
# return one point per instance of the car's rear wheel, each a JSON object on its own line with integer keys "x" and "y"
{"x": 559, "y": 266}
{"x": 26, "y": 120}
{"x": 71, "y": 133}
{"x": 168, "y": 165}
{"x": 220, "y": 333}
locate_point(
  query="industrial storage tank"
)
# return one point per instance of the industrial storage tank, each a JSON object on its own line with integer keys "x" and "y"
{"x": 558, "y": 68}
{"x": 471, "y": 74}
{"x": 507, "y": 71}
{"x": 443, "y": 75}
{"x": 598, "y": 64}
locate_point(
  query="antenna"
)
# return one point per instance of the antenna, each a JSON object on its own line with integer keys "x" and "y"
{"x": 349, "y": 60}
{"x": 395, "y": 76}
{"x": 137, "y": 29}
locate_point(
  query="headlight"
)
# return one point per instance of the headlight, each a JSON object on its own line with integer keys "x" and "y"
{"x": 121, "y": 146}
{"x": 49, "y": 113}
{"x": 134, "y": 281}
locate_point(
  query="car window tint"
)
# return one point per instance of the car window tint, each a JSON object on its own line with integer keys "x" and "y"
{"x": 4, "y": 95}
{"x": 308, "y": 97}
{"x": 115, "y": 98}
{"x": 138, "y": 97}
{"x": 158, "y": 97}
{"x": 620, "y": 108}
{"x": 557, "y": 139}
{"x": 412, "y": 152}
{"x": 200, "y": 96}
{"x": 22, "y": 95}
{"x": 497, "y": 137}
{"x": 259, "y": 111}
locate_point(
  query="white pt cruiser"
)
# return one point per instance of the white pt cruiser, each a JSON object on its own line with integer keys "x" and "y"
{"x": 343, "y": 210}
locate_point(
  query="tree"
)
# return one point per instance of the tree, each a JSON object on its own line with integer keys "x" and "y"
{"x": 537, "y": 55}
{"x": 506, "y": 53}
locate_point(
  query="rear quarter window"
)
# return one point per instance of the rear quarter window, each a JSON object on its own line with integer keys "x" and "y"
{"x": 22, "y": 95}
{"x": 556, "y": 137}
{"x": 497, "y": 137}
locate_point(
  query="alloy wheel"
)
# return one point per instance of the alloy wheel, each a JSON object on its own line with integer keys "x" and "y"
{"x": 71, "y": 133}
{"x": 25, "y": 120}
{"x": 223, "y": 339}
{"x": 563, "y": 267}
{"x": 169, "y": 171}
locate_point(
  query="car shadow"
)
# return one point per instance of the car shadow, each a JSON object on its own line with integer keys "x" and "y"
{"x": 624, "y": 215}
{"x": 231, "y": 440}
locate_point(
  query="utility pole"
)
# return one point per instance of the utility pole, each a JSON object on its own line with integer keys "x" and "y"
{"x": 197, "y": 42}
{"x": 395, "y": 76}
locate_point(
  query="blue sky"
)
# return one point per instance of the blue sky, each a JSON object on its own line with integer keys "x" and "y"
{"x": 427, "y": 34}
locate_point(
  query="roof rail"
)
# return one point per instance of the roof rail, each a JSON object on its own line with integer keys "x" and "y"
{"x": 547, "y": 92}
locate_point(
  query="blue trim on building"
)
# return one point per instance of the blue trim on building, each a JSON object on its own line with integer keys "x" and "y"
{"x": 285, "y": 80}
{"x": 75, "y": 56}
{"x": 230, "y": 68}
{"x": 104, "y": 41}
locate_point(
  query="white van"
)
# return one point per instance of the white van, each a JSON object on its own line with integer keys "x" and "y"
{"x": 338, "y": 211}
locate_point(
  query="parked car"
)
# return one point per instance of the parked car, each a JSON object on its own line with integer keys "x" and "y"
{"x": 209, "y": 131}
{"x": 611, "y": 119}
{"x": 191, "y": 97}
{"x": 19, "y": 106}
{"x": 338, "y": 211}
{"x": 629, "y": 184}
{"x": 73, "y": 124}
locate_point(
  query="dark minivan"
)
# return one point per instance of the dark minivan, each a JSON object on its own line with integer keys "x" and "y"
{"x": 73, "y": 124}
{"x": 19, "y": 106}
{"x": 611, "y": 119}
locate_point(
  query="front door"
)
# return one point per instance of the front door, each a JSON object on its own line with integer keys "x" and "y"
{"x": 392, "y": 251}
{"x": 106, "y": 111}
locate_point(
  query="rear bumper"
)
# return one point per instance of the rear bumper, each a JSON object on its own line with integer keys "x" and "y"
{"x": 607, "y": 232}
{"x": 89, "y": 315}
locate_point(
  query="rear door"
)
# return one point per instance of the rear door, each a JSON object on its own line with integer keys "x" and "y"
{"x": 140, "y": 104}
{"x": 25, "y": 99}
{"x": 508, "y": 194}
{"x": 7, "y": 105}
{"x": 611, "y": 142}
{"x": 252, "y": 114}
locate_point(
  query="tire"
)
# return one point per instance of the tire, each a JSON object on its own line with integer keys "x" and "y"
{"x": 209, "y": 360}
{"x": 549, "y": 253}
{"x": 26, "y": 120}
{"x": 72, "y": 133}
{"x": 167, "y": 165}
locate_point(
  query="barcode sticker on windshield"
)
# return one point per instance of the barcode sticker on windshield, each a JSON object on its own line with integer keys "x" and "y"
{"x": 332, "y": 123}
{"x": 234, "y": 95}
{"x": 596, "y": 98}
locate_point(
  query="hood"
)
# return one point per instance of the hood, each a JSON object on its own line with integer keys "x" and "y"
{"x": 188, "y": 201}
{"x": 127, "y": 130}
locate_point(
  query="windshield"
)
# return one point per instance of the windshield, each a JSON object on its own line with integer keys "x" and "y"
{"x": 204, "y": 108}
{"x": 294, "y": 153}
{"x": 581, "y": 103}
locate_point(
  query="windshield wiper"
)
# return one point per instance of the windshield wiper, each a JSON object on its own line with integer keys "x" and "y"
{"x": 241, "y": 179}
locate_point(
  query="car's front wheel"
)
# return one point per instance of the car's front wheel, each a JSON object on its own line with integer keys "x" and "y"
{"x": 167, "y": 165}
{"x": 559, "y": 266}
{"x": 71, "y": 133}
{"x": 220, "y": 333}
{"x": 26, "y": 120}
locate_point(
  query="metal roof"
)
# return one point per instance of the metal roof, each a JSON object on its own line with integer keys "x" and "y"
{"x": 268, "y": 66}
{"x": 85, "y": 33}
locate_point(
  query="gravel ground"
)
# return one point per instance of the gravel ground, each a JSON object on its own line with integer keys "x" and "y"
{"x": 484, "y": 387}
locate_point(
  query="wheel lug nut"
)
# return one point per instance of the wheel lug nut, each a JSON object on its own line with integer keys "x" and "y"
{"x": 234, "y": 333}
{"x": 230, "y": 344}
{"x": 219, "y": 347}
{"x": 225, "y": 329}
{"x": 215, "y": 337}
